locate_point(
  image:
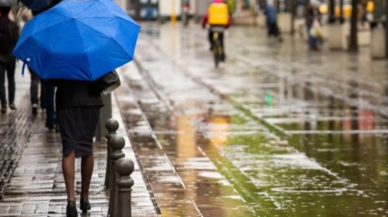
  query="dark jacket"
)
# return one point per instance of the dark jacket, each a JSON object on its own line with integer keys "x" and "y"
{"x": 14, "y": 31}
{"x": 271, "y": 14}
{"x": 71, "y": 93}
{"x": 312, "y": 13}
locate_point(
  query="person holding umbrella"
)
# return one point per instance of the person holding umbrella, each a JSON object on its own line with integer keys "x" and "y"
{"x": 78, "y": 106}
{"x": 99, "y": 37}
{"x": 9, "y": 34}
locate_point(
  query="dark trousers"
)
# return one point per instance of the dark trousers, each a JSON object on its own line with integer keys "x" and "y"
{"x": 273, "y": 30}
{"x": 312, "y": 41}
{"x": 48, "y": 91}
{"x": 47, "y": 96}
{"x": 34, "y": 89}
{"x": 8, "y": 69}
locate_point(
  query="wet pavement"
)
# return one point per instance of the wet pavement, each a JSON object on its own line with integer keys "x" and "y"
{"x": 14, "y": 131}
{"x": 275, "y": 131}
{"x": 32, "y": 180}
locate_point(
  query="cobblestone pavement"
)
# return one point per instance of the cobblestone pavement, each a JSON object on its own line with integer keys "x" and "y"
{"x": 275, "y": 131}
{"x": 14, "y": 131}
{"x": 37, "y": 188}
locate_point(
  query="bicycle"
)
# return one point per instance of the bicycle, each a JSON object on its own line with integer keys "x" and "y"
{"x": 217, "y": 49}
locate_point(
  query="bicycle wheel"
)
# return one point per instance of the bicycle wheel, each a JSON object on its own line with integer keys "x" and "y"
{"x": 216, "y": 52}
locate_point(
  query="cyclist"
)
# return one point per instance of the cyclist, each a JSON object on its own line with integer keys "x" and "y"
{"x": 217, "y": 16}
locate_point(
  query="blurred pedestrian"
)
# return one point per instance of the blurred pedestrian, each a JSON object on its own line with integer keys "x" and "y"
{"x": 47, "y": 92}
{"x": 312, "y": 17}
{"x": 272, "y": 25}
{"x": 34, "y": 92}
{"x": 78, "y": 107}
{"x": 9, "y": 35}
{"x": 218, "y": 20}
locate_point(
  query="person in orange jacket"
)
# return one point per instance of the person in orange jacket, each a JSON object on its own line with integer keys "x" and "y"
{"x": 211, "y": 31}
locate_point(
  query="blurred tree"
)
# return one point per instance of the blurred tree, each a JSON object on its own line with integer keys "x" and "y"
{"x": 353, "y": 42}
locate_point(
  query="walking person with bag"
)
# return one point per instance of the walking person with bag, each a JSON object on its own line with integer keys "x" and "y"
{"x": 9, "y": 35}
{"x": 74, "y": 70}
{"x": 312, "y": 23}
{"x": 78, "y": 106}
{"x": 78, "y": 109}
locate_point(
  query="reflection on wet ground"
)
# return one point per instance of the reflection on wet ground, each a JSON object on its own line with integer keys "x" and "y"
{"x": 276, "y": 131}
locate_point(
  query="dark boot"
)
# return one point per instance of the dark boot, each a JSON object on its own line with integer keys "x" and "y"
{"x": 71, "y": 209}
{"x": 85, "y": 205}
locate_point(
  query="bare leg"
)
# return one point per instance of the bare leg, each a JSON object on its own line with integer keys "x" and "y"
{"x": 68, "y": 174}
{"x": 87, "y": 165}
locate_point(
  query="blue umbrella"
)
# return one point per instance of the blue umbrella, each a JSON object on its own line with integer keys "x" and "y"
{"x": 78, "y": 40}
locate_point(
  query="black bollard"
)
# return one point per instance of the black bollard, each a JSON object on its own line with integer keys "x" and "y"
{"x": 112, "y": 126}
{"x": 116, "y": 143}
{"x": 124, "y": 168}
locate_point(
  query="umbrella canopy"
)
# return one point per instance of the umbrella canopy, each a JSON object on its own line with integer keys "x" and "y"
{"x": 36, "y": 5}
{"x": 78, "y": 40}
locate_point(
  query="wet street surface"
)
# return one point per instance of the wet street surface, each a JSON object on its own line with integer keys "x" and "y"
{"x": 32, "y": 180}
{"x": 275, "y": 131}
{"x": 14, "y": 132}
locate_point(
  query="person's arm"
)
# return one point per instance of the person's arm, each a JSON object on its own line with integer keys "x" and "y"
{"x": 204, "y": 20}
{"x": 229, "y": 22}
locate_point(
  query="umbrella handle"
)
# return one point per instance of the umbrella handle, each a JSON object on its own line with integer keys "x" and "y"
{"x": 23, "y": 68}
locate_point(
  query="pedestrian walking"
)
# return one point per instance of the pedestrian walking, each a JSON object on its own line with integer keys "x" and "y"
{"x": 47, "y": 95}
{"x": 74, "y": 70}
{"x": 271, "y": 13}
{"x": 34, "y": 92}
{"x": 78, "y": 106}
{"x": 312, "y": 21}
{"x": 9, "y": 34}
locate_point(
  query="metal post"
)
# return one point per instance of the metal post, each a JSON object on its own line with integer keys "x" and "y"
{"x": 124, "y": 168}
{"x": 117, "y": 143}
{"x": 112, "y": 126}
{"x": 105, "y": 114}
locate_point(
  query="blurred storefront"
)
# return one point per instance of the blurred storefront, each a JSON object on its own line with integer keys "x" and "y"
{"x": 142, "y": 9}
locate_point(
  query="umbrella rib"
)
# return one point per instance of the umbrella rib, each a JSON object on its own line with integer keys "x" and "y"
{"x": 52, "y": 25}
{"x": 107, "y": 36}
{"x": 83, "y": 44}
{"x": 52, "y": 49}
{"x": 84, "y": 9}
